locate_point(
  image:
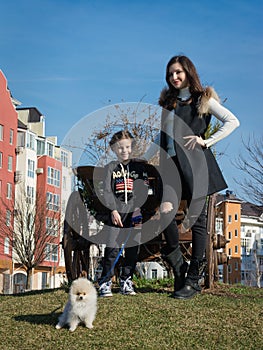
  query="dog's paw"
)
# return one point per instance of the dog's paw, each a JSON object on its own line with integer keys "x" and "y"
{"x": 58, "y": 326}
{"x": 72, "y": 329}
{"x": 89, "y": 326}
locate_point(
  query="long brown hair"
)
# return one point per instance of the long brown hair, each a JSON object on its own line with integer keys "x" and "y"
{"x": 168, "y": 96}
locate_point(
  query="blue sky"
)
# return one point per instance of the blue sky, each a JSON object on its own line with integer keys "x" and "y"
{"x": 70, "y": 58}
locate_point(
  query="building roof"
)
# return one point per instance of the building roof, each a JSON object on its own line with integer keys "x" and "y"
{"x": 250, "y": 209}
{"x": 21, "y": 125}
{"x": 247, "y": 208}
{"x": 228, "y": 196}
{"x": 34, "y": 115}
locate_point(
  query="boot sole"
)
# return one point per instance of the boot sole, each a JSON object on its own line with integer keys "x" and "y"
{"x": 186, "y": 297}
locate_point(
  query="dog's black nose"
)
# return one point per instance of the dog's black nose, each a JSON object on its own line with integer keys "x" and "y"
{"x": 80, "y": 297}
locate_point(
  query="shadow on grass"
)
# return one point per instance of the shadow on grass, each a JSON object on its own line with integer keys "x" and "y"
{"x": 153, "y": 290}
{"x": 35, "y": 292}
{"x": 145, "y": 289}
{"x": 50, "y": 318}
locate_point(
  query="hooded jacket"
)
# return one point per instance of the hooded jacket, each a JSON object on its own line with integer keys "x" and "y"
{"x": 125, "y": 186}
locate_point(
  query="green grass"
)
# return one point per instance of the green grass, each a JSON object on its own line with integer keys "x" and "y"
{"x": 228, "y": 317}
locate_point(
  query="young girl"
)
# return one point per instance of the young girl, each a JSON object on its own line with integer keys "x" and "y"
{"x": 125, "y": 188}
{"x": 187, "y": 109}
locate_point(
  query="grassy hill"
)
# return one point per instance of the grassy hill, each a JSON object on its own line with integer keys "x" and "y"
{"x": 224, "y": 318}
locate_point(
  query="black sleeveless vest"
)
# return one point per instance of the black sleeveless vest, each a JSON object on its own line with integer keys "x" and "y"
{"x": 199, "y": 172}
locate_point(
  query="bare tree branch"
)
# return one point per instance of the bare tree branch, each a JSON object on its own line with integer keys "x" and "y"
{"x": 144, "y": 129}
{"x": 33, "y": 229}
{"x": 250, "y": 162}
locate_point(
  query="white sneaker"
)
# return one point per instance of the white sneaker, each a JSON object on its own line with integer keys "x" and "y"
{"x": 127, "y": 287}
{"x": 105, "y": 289}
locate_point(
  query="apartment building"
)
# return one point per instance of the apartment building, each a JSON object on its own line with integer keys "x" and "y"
{"x": 8, "y": 128}
{"x": 45, "y": 172}
{"x": 34, "y": 171}
{"x": 252, "y": 244}
{"x": 242, "y": 225}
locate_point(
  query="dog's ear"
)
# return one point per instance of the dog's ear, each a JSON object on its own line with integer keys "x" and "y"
{"x": 83, "y": 274}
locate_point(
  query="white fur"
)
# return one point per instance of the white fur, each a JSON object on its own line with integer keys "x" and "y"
{"x": 81, "y": 306}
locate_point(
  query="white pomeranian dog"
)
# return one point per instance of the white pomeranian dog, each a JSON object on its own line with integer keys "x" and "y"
{"x": 81, "y": 306}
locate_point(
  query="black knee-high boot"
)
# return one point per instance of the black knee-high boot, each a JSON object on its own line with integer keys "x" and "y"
{"x": 176, "y": 261}
{"x": 192, "y": 286}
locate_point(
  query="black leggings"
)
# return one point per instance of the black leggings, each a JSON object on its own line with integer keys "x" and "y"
{"x": 197, "y": 222}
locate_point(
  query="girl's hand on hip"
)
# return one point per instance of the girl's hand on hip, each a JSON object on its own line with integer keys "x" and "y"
{"x": 116, "y": 218}
{"x": 166, "y": 207}
{"x": 193, "y": 141}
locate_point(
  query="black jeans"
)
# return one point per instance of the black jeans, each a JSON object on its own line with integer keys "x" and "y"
{"x": 116, "y": 237}
{"x": 128, "y": 265}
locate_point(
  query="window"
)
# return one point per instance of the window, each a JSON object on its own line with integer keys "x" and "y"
{"x": 49, "y": 200}
{"x": 154, "y": 273}
{"x": 52, "y": 226}
{"x": 11, "y": 136}
{"x": 229, "y": 268}
{"x": 50, "y": 150}
{"x": 8, "y": 218}
{"x": 236, "y": 232}
{"x": 229, "y": 235}
{"x": 64, "y": 158}
{"x": 44, "y": 283}
{"x": 20, "y": 139}
{"x": 63, "y": 204}
{"x": 30, "y": 193}
{"x": 219, "y": 225}
{"x": 229, "y": 218}
{"x": 30, "y": 168}
{"x": 0, "y": 188}
{"x": 9, "y": 191}
{"x": 40, "y": 147}
{"x": 51, "y": 252}
{"x": 236, "y": 217}
{"x": 56, "y": 200}
{"x": 19, "y": 282}
{"x": 236, "y": 266}
{"x": 6, "y": 246}
{"x": 31, "y": 141}
{"x": 229, "y": 251}
{"x": 62, "y": 258}
{"x": 236, "y": 249}
{"x": 53, "y": 201}
{"x": 248, "y": 234}
{"x": 10, "y": 163}
{"x": 1, "y": 159}
{"x": 246, "y": 245}
{"x": 64, "y": 182}
{"x": 53, "y": 177}
{"x": 1, "y": 132}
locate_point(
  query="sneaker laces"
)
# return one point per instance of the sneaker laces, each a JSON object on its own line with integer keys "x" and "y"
{"x": 127, "y": 284}
{"x": 105, "y": 286}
